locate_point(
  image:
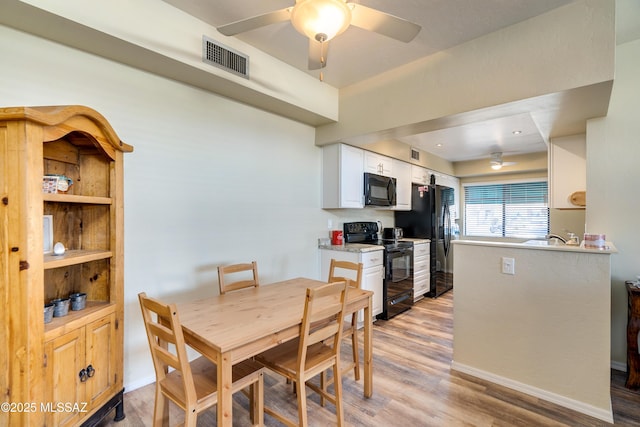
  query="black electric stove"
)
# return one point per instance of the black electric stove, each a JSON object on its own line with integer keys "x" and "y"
{"x": 397, "y": 288}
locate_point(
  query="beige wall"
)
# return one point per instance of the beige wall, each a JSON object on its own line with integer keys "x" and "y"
{"x": 544, "y": 330}
{"x": 613, "y": 176}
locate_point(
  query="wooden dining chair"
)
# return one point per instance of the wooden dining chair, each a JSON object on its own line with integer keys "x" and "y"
{"x": 336, "y": 270}
{"x": 315, "y": 351}
{"x": 191, "y": 385}
{"x": 227, "y": 286}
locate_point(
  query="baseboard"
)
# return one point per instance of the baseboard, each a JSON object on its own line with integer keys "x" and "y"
{"x": 619, "y": 366}
{"x": 563, "y": 401}
{"x": 139, "y": 383}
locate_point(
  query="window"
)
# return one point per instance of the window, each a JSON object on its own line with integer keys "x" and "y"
{"x": 517, "y": 209}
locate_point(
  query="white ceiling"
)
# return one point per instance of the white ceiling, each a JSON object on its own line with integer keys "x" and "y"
{"x": 358, "y": 54}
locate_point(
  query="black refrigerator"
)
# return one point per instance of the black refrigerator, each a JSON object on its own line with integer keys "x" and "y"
{"x": 430, "y": 218}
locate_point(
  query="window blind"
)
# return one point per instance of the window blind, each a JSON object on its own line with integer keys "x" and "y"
{"x": 507, "y": 210}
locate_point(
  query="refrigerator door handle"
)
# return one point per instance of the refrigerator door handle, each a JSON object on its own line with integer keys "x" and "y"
{"x": 447, "y": 230}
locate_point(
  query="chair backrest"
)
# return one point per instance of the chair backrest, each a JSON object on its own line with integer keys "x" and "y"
{"x": 336, "y": 270}
{"x": 227, "y": 286}
{"x": 322, "y": 320}
{"x": 166, "y": 342}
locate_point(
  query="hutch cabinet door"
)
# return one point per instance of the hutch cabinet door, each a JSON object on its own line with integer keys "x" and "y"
{"x": 64, "y": 361}
{"x": 101, "y": 360}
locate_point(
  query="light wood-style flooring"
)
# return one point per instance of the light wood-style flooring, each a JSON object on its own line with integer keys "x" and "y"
{"x": 413, "y": 386}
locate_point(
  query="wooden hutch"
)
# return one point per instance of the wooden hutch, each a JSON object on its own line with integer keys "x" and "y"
{"x": 68, "y": 371}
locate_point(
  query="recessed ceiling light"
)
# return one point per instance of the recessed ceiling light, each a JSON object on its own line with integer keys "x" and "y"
{"x": 517, "y": 132}
{"x": 438, "y": 145}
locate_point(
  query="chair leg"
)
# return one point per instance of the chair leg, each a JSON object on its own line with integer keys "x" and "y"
{"x": 160, "y": 410}
{"x": 354, "y": 347}
{"x": 257, "y": 401}
{"x": 302, "y": 403}
{"x": 323, "y": 386}
{"x": 337, "y": 388}
{"x": 190, "y": 418}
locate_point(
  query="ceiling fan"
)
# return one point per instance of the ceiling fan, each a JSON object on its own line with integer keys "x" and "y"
{"x": 322, "y": 20}
{"x": 497, "y": 163}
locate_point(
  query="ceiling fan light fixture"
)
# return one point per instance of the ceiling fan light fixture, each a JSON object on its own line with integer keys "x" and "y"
{"x": 496, "y": 161}
{"x": 321, "y": 20}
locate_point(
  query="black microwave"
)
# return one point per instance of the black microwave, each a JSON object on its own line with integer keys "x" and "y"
{"x": 379, "y": 190}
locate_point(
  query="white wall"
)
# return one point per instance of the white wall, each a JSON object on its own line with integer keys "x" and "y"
{"x": 613, "y": 175}
{"x": 210, "y": 182}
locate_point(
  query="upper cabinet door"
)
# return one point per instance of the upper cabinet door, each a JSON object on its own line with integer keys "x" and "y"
{"x": 342, "y": 177}
{"x": 567, "y": 171}
{"x": 378, "y": 164}
{"x": 402, "y": 173}
{"x": 419, "y": 175}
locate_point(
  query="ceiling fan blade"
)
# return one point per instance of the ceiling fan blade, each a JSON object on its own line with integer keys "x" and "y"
{"x": 383, "y": 23}
{"x": 318, "y": 54}
{"x": 255, "y": 22}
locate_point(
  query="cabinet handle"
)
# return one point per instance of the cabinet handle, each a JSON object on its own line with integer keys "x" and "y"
{"x": 90, "y": 371}
{"x": 83, "y": 375}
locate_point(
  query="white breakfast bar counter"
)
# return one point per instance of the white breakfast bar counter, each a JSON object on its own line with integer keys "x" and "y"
{"x": 544, "y": 330}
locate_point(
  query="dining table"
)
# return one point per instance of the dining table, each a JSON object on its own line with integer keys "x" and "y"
{"x": 235, "y": 326}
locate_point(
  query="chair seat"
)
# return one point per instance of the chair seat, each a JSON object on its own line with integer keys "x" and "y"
{"x": 286, "y": 356}
{"x": 205, "y": 380}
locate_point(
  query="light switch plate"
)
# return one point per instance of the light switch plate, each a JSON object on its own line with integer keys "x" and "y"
{"x": 508, "y": 265}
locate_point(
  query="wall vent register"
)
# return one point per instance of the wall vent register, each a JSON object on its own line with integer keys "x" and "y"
{"x": 221, "y": 56}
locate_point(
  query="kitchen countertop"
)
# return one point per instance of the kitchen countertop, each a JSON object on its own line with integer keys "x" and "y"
{"x": 415, "y": 240}
{"x": 360, "y": 247}
{"x": 540, "y": 245}
{"x": 352, "y": 247}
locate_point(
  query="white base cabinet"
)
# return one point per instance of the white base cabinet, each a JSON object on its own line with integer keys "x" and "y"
{"x": 421, "y": 270}
{"x": 372, "y": 274}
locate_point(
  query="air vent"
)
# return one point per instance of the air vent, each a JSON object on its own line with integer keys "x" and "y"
{"x": 415, "y": 154}
{"x": 224, "y": 57}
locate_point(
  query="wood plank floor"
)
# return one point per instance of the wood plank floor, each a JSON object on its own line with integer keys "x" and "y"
{"x": 413, "y": 386}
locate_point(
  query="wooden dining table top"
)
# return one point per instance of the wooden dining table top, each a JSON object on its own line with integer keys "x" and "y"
{"x": 232, "y": 321}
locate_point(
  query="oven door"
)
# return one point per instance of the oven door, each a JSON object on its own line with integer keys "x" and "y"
{"x": 379, "y": 190}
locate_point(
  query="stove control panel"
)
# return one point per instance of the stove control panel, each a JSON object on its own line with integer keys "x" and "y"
{"x": 360, "y": 227}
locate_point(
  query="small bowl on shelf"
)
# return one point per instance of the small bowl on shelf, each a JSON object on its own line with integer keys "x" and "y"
{"x": 48, "y": 313}
{"x": 60, "y": 307}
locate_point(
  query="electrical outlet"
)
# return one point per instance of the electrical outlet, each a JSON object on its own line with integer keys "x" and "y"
{"x": 329, "y": 224}
{"x": 508, "y": 265}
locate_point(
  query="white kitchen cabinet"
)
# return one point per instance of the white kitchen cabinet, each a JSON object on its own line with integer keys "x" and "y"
{"x": 420, "y": 175}
{"x": 402, "y": 173}
{"x": 421, "y": 270}
{"x": 342, "y": 177}
{"x": 567, "y": 170}
{"x": 378, "y": 164}
{"x": 372, "y": 274}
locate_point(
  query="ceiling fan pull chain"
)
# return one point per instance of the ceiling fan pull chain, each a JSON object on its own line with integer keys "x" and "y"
{"x": 322, "y": 38}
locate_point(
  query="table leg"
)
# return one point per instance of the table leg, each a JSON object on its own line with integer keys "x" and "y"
{"x": 225, "y": 396}
{"x": 368, "y": 349}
